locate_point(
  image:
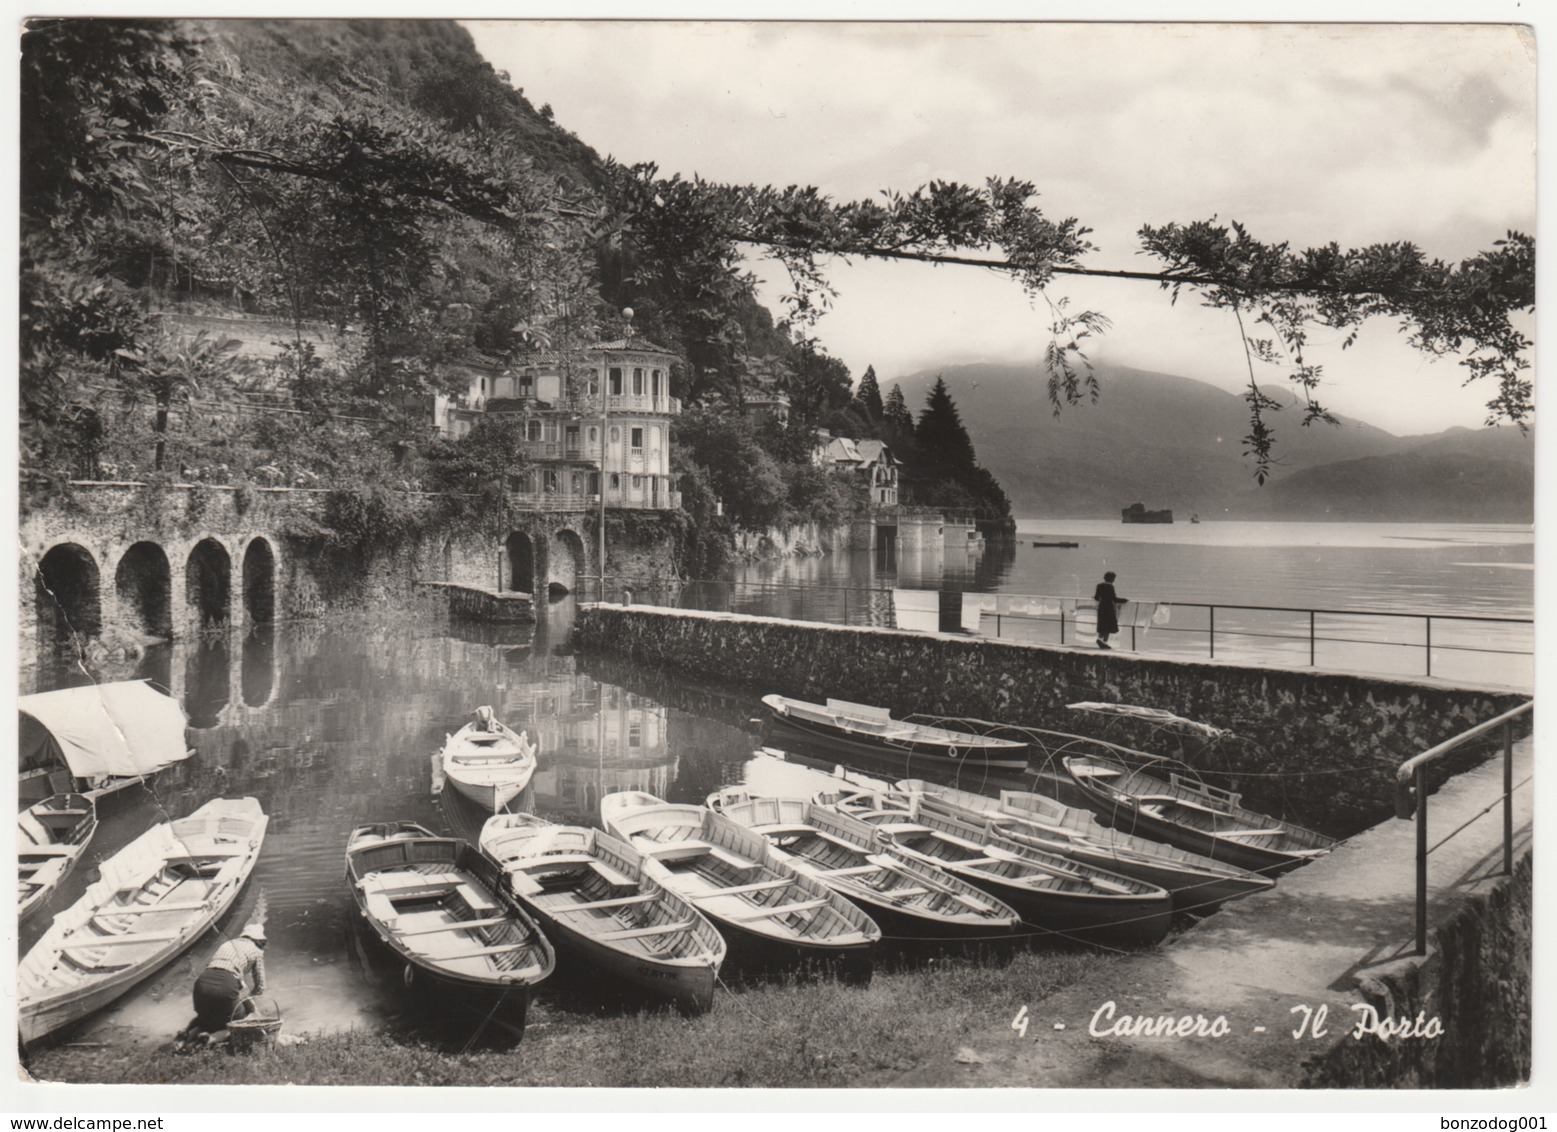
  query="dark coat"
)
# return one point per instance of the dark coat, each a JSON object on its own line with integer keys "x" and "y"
{"x": 1108, "y": 603}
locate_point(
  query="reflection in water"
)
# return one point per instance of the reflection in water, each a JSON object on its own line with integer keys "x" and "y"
{"x": 207, "y": 680}
{"x": 259, "y": 666}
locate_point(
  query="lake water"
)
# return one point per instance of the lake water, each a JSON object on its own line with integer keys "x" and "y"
{"x": 334, "y": 724}
{"x": 1372, "y": 569}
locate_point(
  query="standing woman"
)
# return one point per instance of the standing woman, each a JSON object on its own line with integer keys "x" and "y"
{"x": 1108, "y": 603}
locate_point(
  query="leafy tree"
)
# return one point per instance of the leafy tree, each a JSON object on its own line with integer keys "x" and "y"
{"x": 740, "y": 471}
{"x": 868, "y": 396}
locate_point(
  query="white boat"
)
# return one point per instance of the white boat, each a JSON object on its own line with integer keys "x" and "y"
{"x": 908, "y": 897}
{"x": 758, "y": 901}
{"x": 591, "y": 895}
{"x": 488, "y": 762}
{"x": 154, "y": 899}
{"x": 1197, "y": 884}
{"x": 872, "y": 731}
{"x": 97, "y": 739}
{"x": 51, "y": 836}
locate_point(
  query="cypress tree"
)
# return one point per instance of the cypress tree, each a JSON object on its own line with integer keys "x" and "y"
{"x": 867, "y": 398}
{"x": 942, "y": 438}
{"x": 896, "y": 415}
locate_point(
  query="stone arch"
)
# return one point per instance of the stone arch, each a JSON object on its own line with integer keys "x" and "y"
{"x": 519, "y": 563}
{"x": 565, "y": 562}
{"x": 208, "y": 585}
{"x": 67, "y": 593}
{"x": 259, "y": 582}
{"x": 144, "y": 585}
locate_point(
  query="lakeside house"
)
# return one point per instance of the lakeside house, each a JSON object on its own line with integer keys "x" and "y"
{"x": 871, "y": 459}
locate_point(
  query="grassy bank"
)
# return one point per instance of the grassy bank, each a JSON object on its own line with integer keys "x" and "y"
{"x": 792, "y": 1034}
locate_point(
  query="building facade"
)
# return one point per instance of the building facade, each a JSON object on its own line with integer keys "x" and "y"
{"x": 600, "y": 413}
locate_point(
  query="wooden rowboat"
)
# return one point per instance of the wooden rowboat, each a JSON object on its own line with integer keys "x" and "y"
{"x": 1193, "y": 816}
{"x": 1196, "y": 883}
{"x": 907, "y": 897}
{"x": 51, "y": 836}
{"x": 155, "y": 898}
{"x": 593, "y": 898}
{"x": 759, "y": 903}
{"x": 489, "y": 762}
{"x": 444, "y": 909}
{"x": 872, "y": 730}
{"x": 1063, "y": 899}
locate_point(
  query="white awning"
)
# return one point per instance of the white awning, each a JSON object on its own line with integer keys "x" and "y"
{"x": 113, "y": 730}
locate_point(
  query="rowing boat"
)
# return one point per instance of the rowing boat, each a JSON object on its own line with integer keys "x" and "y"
{"x": 907, "y": 897}
{"x": 154, "y": 899}
{"x": 489, "y": 762}
{"x": 595, "y": 901}
{"x": 874, "y": 731}
{"x": 1193, "y": 815}
{"x": 1196, "y": 883}
{"x": 758, "y": 901}
{"x": 51, "y": 836}
{"x": 444, "y": 910}
{"x": 97, "y": 739}
{"x": 1062, "y": 899}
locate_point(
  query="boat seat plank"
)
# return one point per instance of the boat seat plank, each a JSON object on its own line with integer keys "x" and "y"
{"x": 976, "y": 861}
{"x": 553, "y": 860}
{"x": 499, "y": 949}
{"x": 677, "y": 850}
{"x": 127, "y": 938}
{"x": 49, "y": 851}
{"x": 475, "y": 899}
{"x": 143, "y": 909}
{"x": 617, "y": 902}
{"x": 1094, "y": 772}
{"x": 784, "y": 909}
{"x": 785, "y": 829}
{"x": 734, "y": 860}
{"x": 758, "y": 886}
{"x": 639, "y": 933}
{"x": 453, "y": 926}
{"x": 906, "y": 892}
{"x": 612, "y": 876}
{"x": 852, "y": 870}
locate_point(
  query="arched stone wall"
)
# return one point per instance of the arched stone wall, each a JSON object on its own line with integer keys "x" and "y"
{"x": 519, "y": 563}
{"x": 565, "y": 561}
{"x": 208, "y": 585}
{"x": 143, "y": 583}
{"x": 259, "y": 582}
{"x": 67, "y": 592}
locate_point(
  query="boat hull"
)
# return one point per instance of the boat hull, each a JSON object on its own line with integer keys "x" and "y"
{"x": 689, "y": 987}
{"x": 974, "y": 753}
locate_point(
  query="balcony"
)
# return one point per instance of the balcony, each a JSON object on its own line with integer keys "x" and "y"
{"x": 588, "y": 501}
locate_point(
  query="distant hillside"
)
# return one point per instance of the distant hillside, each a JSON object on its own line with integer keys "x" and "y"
{"x": 1171, "y": 441}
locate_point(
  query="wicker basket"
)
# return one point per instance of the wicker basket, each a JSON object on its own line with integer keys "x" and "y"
{"x": 257, "y": 1022}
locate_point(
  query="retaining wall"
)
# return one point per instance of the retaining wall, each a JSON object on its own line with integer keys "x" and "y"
{"x": 1320, "y": 748}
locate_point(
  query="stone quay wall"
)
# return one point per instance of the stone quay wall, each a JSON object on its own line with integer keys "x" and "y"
{"x": 1319, "y": 748}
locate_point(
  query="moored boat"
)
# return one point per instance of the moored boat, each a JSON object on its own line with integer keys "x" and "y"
{"x": 443, "y": 909}
{"x": 488, "y": 762}
{"x": 874, "y": 731}
{"x": 154, "y": 899}
{"x": 1064, "y": 900}
{"x": 593, "y": 898}
{"x": 1193, "y": 815}
{"x": 907, "y": 897}
{"x": 758, "y": 901}
{"x": 97, "y": 739}
{"x": 51, "y": 836}
{"x": 1196, "y": 883}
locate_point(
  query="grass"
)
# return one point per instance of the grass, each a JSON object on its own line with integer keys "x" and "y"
{"x": 779, "y": 1035}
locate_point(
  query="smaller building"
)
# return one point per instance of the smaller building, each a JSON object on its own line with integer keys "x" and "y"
{"x": 763, "y": 408}
{"x": 871, "y": 459}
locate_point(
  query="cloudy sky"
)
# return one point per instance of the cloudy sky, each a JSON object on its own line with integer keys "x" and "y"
{"x": 1352, "y": 133}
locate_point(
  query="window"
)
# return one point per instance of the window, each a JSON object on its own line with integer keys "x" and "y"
{"x": 616, "y": 382}
{"x": 616, "y": 481}
{"x": 637, "y": 483}
{"x": 638, "y": 382}
{"x": 592, "y": 386}
{"x": 637, "y": 440}
{"x": 616, "y": 435}
{"x": 483, "y": 387}
{"x": 655, "y": 387}
{"x": 635, "y": 734}
{"x": 532, "y": 430}
{"x": 594, "y": 434}
{"x": 526, "y": 386}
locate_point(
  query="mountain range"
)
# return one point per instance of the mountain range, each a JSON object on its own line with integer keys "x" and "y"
{"x": 1171, "y": 441}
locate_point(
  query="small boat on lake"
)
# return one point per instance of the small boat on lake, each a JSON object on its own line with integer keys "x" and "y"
{"x": 756, "y": 899}
{"x": 489, "y": 762}
{"x": 874, "y": 731}
{"x": 904, "y": 895}
{"x": 445, "y": 910}
{"x": 592, "y": 896}
{"x": 1064, "y": 899}
{"x": 97, "y": 739}
{"x": 51, "y": 836}
{"x": 155, "y": 898}
{"x": 1193, "y": 815}
{"x": 1196, "y": 883}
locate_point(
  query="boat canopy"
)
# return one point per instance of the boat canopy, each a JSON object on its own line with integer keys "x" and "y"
{"x": 115, "y": 730}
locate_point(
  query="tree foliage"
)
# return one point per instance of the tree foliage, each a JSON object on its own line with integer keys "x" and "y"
{"x": 867, "y": 398}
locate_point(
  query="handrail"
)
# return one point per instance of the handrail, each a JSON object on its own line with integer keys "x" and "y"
{"x": 1415, "y": 768}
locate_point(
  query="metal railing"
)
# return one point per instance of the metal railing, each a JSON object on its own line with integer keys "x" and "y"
{"x": 1351, "y": 639}
{"x": 1413, "y": 774}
